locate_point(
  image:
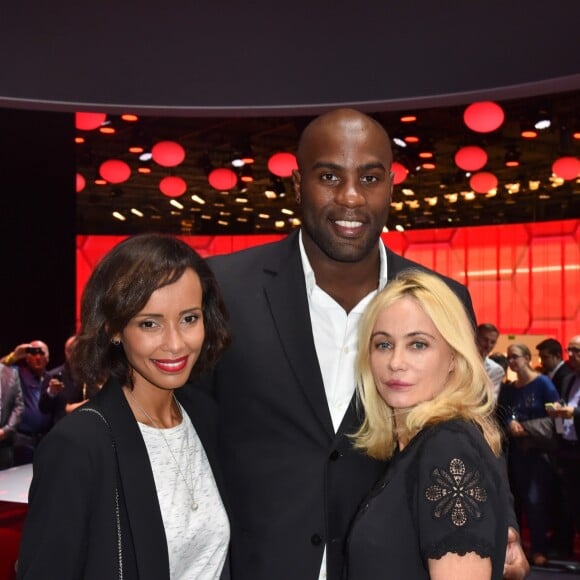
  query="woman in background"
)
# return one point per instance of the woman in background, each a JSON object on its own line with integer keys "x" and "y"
{"x": 127, "y": 485}
{"x": 521, "y": 405}
{"x": 441, "y": 509}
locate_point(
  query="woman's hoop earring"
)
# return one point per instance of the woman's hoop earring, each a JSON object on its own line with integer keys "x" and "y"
{"x": 115, "y": 341}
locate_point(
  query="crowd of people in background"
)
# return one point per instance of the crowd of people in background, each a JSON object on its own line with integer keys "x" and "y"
{"x": 33, "y": 398}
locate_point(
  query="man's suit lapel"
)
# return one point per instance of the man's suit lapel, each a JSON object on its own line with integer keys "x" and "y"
{"x": 286, "y": 293}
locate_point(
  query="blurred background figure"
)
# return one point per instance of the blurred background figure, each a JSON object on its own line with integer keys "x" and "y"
{"x": 567, "y": 414}
{"x": 11, "y": 409}
{"x": 486, "y": 336}
{"x": 31, "y": 360}
{"x": 521, "y": 406}
{"x": 553, "y": 365}
{"x": 64, "y": 393}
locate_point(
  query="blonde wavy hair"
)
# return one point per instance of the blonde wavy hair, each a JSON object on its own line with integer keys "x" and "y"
{"x": 468, "y": 393}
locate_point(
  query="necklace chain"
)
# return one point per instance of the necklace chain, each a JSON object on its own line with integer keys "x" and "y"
{"x": 189, "y": 486}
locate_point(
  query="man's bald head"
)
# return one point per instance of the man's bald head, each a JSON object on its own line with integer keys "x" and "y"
{"x": 342, "y": 121}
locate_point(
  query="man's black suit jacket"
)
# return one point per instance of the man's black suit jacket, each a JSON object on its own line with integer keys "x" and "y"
{"x": 566, "y": 388}
{"x": 560, "y": 376}
{"x": 293, "y": 483}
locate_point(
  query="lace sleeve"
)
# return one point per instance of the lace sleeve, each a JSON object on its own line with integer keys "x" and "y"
{"x": 455, "y": 494}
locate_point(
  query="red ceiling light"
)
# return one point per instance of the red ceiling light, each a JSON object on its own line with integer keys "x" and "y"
{"x": 470, "y": 158}
{"x": 80, "y": 182}
{"x": 576, "y": 135}
{"x": 426, "y": 155}
{"x": 483, "y": 182}
{"x": 79, "y": 140}
{"x": 411, "y": 139}
{"x": 115, "y": 171}
{"x": 400, "y": 172}
{"x": 129, "y": 117}
{"x": 144, "y": 169}
{"x": 408, "y": 119}
{"x": 168, "y": 153}
{"x": 428, "y": 165}
{"x": 173, "y": 186}
{"x": 108, "y": 130}
{"x": 282, "y": 164}
{"x": 566, "y": 167}
{"x": 483, "y": 116}
{"x": 89, "y": 121}
{"x": 222, "y": 179}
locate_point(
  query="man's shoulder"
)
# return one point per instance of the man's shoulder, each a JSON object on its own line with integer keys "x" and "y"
{"x": 244, "y": 261}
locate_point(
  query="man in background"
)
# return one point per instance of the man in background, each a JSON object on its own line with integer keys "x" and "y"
{"x": 553, "y": 365}
{"x": 486, "y": 336}
{"x": 31, "y": 360}
{"x": 11, "y": 409}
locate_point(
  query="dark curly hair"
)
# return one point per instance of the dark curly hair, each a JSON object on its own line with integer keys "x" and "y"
{"x": 119, "y": 288}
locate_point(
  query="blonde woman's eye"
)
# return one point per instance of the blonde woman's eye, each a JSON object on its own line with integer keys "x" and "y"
{"x": 383, "y": 345}
{"x": 418, "y": 345}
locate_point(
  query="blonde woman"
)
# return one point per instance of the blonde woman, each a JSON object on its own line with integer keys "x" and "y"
{"x": 441, "y": 509}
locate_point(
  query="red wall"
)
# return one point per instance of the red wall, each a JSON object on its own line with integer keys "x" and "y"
{"x": 523, "y": 278}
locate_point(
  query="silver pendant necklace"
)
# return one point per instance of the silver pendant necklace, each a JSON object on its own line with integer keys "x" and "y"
{"x": 188, "y": 485}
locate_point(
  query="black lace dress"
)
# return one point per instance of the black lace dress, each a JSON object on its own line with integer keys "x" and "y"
{"x": 445, "y": 492}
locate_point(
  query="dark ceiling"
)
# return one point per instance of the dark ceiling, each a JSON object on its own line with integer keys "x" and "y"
{"x": 424, "y": 200}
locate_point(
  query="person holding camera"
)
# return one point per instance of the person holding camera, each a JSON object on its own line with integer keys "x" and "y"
{"x": 31, "y": 359}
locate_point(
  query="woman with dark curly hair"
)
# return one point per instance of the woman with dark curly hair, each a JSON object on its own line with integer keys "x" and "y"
{"x": 127, "y": 486}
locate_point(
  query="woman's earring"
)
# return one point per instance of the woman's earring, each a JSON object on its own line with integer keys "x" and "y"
{"x": 115, "y": 341}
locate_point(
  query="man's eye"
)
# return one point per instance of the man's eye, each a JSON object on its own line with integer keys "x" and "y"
{"x": 369, "y": 178}
{"x": 328, "y": 177}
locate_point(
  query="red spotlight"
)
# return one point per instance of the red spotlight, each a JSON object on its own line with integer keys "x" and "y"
{"x": 282, "y": 164}
{"x": 483, "y": 182}
{"x": 168, "y": 153}
{"x": 484, "y": 116}
{"x": 173, "y": 186}
{"x": 400, "y": 172}
{"x": 470, "y": 158}
{"x": 115, "y": 171}
{"x": 222, "y": 179}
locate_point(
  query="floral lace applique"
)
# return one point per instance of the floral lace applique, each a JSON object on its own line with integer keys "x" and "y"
{"x": 456, "y": 493}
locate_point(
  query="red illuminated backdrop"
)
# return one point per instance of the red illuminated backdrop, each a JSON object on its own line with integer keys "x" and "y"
{"x": 523, "y": 278}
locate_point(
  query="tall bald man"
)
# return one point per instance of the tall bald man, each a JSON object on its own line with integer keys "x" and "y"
{"x": 285, "y": 386}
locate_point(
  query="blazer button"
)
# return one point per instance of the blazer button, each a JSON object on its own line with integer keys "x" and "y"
{"x": 316, "y": 540}
{"x": 334, "y": 455}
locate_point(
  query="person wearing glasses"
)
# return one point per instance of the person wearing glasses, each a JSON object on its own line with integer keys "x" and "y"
{"x": 522, "y": 408}
{"x": 568, "y": 412}
{"x": 31, "y": 359}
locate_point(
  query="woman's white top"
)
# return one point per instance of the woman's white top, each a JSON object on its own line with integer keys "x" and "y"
{"x": 197, "y": 539}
